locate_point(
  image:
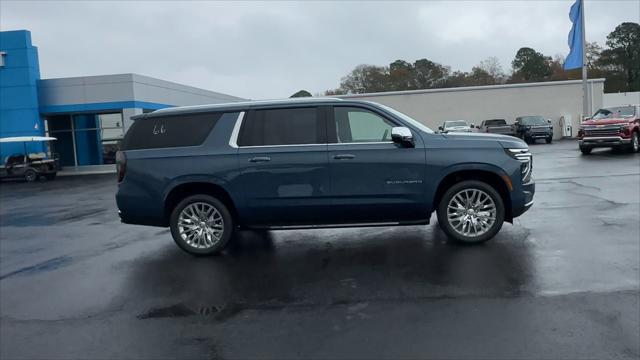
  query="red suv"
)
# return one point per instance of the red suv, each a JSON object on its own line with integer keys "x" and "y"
{"x": 614, "y": 127}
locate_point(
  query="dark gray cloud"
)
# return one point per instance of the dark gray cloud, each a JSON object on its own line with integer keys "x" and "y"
{"x": 272, "y": 49}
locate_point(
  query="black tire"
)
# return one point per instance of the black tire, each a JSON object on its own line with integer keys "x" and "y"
{"x": 549, "y": 140}
{"x": 635, "y": 142}
{"x": 50, "y": 176}
{"x": 470, "y": 185}
{"x": 30, "y": 175}
{"x": 585, "y": 150}
{"x": 227, "y": 221}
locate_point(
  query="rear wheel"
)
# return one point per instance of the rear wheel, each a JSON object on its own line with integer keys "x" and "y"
{"x": 471, "y": 212}
{"x": 201, "y": 225}
{"x": 30, "y": 175}
{"x": 585, "y": 150}
{"x": 50, "y": 176}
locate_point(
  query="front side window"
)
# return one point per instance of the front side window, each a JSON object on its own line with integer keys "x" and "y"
{"x": 272, "y": 127}
{"x": 354, "y": 125}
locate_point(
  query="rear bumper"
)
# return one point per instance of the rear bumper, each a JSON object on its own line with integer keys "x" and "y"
{"x": 141, "y": 220}
{"x": 604, "y": 141}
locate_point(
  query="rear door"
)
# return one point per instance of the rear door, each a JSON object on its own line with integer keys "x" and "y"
{"x": 372, "y": 178}
{"x": 284, "y": 177}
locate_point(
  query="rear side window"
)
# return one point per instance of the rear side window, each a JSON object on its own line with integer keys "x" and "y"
{"x": 297, "y": 126}
{"x": 169, "y": 131}
{"x": 495, "y": 122}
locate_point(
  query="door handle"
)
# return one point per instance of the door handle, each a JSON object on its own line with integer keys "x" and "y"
{"x": 260, "y": 159}
{"x": 344, "y": 156}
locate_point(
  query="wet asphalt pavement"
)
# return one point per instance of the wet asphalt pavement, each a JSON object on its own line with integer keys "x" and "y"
{"x": 562, "y": 282}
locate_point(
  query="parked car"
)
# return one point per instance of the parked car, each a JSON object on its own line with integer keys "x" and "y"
{"x": 496, "y": 126}
{"x": 29, "y": 166}
{"x": 614, "y": 127}
{"x": 206, "y": 171}
{"x": 455, "y": 126}
{"x": 532, "y": 128}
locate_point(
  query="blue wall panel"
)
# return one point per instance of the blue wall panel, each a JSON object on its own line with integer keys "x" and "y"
{"x": 19, "y": 110}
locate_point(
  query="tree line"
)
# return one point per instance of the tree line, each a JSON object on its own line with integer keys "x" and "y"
{"x": 618, "y": 63}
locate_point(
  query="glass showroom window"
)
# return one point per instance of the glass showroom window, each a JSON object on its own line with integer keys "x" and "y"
{"x": 86, "y": 139}
{"x": 111, "y": 134}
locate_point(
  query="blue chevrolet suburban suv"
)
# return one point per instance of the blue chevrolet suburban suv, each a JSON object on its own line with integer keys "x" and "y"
{"x": 206, "y": 171}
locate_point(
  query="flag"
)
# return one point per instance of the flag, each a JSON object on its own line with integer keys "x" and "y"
{"x": 575, "y": 58}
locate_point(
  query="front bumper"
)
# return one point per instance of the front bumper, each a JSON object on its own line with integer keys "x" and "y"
{"x": 525, "y": 200}
{"x": 603, "y": 141}
{"x": 539, "y": 135}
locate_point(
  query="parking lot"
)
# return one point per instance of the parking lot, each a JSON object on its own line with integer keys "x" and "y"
{"x": 561, "y": 282}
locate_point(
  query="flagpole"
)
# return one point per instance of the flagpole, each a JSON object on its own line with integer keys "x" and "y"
{"x": 586, "y": 107}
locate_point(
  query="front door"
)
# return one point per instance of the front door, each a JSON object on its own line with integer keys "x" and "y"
{"x": 372, "y": 178}
{"x": 284, "y": 169}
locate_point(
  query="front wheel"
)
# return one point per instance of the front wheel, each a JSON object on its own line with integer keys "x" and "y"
{"x": 635, "y": 142}
{"x": 471, "y": 212}
{"x": 549, "y": 140}
{"x": 201, "y": 225}
{"x": 585, "y": 150}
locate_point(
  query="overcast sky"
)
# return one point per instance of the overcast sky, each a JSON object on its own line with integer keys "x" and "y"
{"x": 272, "y": 49}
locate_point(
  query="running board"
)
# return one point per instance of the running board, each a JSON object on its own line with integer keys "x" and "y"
{"x": 334, "y": 226}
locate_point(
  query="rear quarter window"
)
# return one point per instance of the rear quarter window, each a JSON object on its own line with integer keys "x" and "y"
{"x": 169, "y": 131}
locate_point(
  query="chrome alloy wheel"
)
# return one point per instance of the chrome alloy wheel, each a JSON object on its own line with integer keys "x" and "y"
{"x": 635, "y": 142}
{"x": 471, "y": 212}
{"x": 200, "y": 225}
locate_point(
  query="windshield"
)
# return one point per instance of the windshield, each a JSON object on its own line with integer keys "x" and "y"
{"x": 621, "y": 111}
{"x": 407, "y": 118}
{"x": 533, "y": 120}
{"x": 448, "y": 124}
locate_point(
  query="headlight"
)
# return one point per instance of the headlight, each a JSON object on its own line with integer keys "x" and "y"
{"x": 526, "y": 159}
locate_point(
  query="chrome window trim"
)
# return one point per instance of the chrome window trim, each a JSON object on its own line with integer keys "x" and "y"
{"x": 233, "y": 141}
{"x": 271, "y": 146}
{"x": 363, "y": 143}
{"x": 325, "y": 144}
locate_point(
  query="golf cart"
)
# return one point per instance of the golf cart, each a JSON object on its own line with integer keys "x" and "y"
{"x": 29, "y": 166}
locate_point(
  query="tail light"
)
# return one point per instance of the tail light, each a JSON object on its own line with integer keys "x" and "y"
{"x": 121, "y": 165}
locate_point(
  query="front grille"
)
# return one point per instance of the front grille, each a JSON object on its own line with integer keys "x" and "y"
{"x": 542, "y": 130}
{"x": 602, "y": 132}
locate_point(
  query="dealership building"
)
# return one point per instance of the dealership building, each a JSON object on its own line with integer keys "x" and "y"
{"x": 88, "y": 115}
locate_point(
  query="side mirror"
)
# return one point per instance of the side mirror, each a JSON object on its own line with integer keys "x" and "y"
{"x": 472, "y": 126}
{"x": 402, "y": 135}
{"x": 549, "y": 121}
{"x": 440, "y": 128}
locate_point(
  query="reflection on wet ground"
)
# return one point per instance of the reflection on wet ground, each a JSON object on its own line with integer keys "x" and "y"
{"x": 69, "y": 270}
